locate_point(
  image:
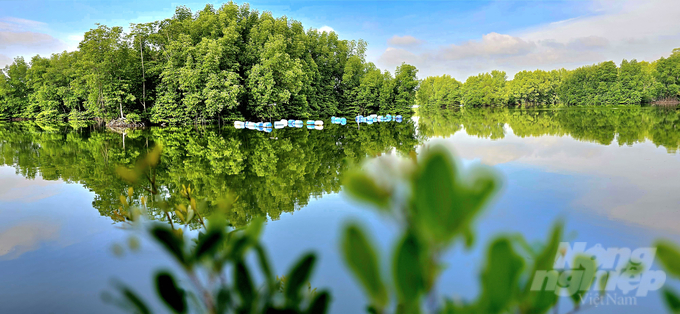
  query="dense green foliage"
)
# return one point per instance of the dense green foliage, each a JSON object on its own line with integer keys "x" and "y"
{"x": 279, "y": 172}
{"x": 632, "y": 82}
{"x": 272, "y": 173}
{"x": 226, "y": 63}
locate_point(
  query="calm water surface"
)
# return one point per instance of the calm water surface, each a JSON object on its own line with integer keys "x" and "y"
{"x": 611, "y": 174}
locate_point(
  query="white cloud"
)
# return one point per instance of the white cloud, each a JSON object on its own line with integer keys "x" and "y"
{"x": 326, "y": 29}
{"x": 26, "y": 237}
{"x": 492, "y": 44}
{"x": 25, "y": 39}
{"x": 404, "y": 41}
{"x": 20, "y": 37}
{"x": 613, "y": 30}
{"x": 396, "y": 56}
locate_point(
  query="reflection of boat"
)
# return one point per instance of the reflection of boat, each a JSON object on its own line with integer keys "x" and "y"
{"x": 380, "y": 119}
{"x": 267, "y": 125}
{"x": 343, "y": 121}
{"x": 260, "y": 125}
{"x": 358, "y": 118}
{"x": 318, "y": 127}
{"x": 291, "y": 123}
{"x": 388, "y": 118}
{"x": 369, "y": 120}
{"x": 267, "y": 130}
{"x": 298, "y": 123}
{"x": 239, "y": 124}
{"x": 310, "y": 126}
{"x": 397, "y": 118}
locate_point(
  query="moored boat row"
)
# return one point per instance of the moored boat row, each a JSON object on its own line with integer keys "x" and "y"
{"x": 268, "y": 126}
{"x": 376, "y": 118}
{"x": 312, "y": 124}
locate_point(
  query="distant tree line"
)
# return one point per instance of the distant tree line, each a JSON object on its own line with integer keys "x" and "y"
{"x": 226, "y": 63}
{"x": 632, "y": 82}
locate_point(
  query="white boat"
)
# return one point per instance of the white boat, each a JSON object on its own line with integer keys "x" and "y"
{"x": 343, "y": 121}
{"x": 279, "y": 125}
{"x": 318, "y": 122}
{"x": 299, "y": 123}
{"x": 380, "y": 119}
{"x": 239, "y": 124}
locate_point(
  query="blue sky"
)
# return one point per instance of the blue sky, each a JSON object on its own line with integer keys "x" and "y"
{"x": 458, "y": 38}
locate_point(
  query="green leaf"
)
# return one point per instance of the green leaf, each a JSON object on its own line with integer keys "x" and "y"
{"x": 445, "y": 206}
{"x": 408, "y": 270}
{"x": 669, "y": 255}
{"x": 469, "y": 238}
{"x": 134, "y": 300}
{"x": 238, "y": 246}
{"x": 255, "y": 228}
{"x": 603, "y": 283}
{"x": 364, "y": 188}
{"x": 320, "y": 303}
{"x": 170, "y": 293}
{"x": 223, "y": 300}
{"x": 170, "y": 241}
{"x": 297, "y": 278}
{"x": 362, "y": 260}
{"x": 672, "y": 300}
{"x": 209, "y": 243}
{"x": 264, "y": 265}
{"x": 244, "y": 284}
{"x": 500, "y": 278}
{"x": 541, "y": 301}
{"x": 588, "y": 266}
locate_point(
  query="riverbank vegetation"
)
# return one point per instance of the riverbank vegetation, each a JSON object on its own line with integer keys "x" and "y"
{"x": 631, "y": 82}
{"x": 224, "y": 63}
{"x": 270, "y": 176}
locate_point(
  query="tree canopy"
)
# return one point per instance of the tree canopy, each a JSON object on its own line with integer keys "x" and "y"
{"x": 631, "y": 83}
{"x": 230, "y": 62}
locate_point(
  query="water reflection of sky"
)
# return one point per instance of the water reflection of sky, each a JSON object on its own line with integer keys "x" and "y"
{"x": 55, "y": 249}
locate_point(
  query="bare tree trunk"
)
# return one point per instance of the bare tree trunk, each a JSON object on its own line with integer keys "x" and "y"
{"x": 120, "y": 103}
{"x": 141, "y": 52}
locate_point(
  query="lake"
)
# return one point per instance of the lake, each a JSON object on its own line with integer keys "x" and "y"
{"x": 612, "y": 174}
